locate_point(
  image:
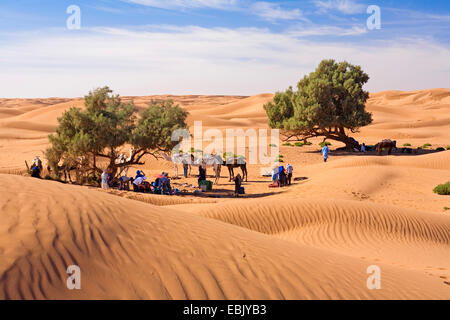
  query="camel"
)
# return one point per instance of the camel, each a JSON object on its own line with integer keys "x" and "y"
{"x": 239, "y": 162}
{"x": 121, "y": 159}
{"x": 386, "y": 144}
{"x": 213, "y": 161}
{"x": 71, "y": 164}
{"x": 178, "y": 158}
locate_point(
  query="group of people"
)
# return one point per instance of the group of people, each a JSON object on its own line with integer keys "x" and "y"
{"x": 282, "y": 176}
{"x": 161, "y": 185}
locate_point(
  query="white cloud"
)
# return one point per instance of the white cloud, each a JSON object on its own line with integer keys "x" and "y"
{"x": 272, "y": 11}
{"x": 328, "y": 31}
{"x": 183, "y": 4}
{"x": 195, "y": 60}
{"x": 267, "y": 10}
{"x": 343, "y": 6}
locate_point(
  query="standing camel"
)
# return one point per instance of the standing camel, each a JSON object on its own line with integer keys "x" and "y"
{"x": 176, "y": 159}
{"x": 386, "y": 144}
{"x": 239, "y": 162}
{"x": 71, "y": 164}
{"x": 209, "y": 160}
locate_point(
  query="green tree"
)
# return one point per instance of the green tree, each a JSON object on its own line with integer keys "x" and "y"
{"x": 106, "y": 125}
{"x": 329, "y": 103}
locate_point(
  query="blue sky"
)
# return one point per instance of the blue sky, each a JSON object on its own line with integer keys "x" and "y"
{"x": 141, "y": 47}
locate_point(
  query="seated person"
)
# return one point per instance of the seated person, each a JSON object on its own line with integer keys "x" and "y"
{"x": 36, "y": 172}
{"x": 138, "y": 183}
{"x": 201, "y": 174}
{"x": 164, "y": 183}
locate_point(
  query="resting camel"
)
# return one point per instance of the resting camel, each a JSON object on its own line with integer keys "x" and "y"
{"x": 386, "y": 144}
{"x": 122, "y": 159}
{"x": 239, "y": 162}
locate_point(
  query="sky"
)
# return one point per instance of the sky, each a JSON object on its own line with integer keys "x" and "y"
{"x": 231, "y": 47}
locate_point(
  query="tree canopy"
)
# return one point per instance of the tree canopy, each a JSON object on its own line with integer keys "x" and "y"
{"x": 106, "y": 124}
{"x": 328, "y": 103}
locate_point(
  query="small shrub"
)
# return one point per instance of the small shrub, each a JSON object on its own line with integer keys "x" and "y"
{"x": 443, "y": 189}
{"x": 426, "y": 145}
{"x": 323, "y": 144}
{"x": 446, "y": 208}
{"x": 273, "y": 145}
{"x": 407, "y": 145}
{"x": 288, "y": 144}
{"x": 299, "y": 144}
{"x": 308, "y": 143}
{"x": 447, "y": 147}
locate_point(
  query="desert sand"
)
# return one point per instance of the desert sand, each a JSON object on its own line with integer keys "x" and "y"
{"x": 313, "y": 240}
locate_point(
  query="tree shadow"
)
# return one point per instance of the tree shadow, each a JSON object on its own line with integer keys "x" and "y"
{"x": 229, "y": 194}
{"x": 398, "y": 153}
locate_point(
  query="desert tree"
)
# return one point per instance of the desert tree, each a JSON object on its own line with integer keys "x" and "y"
{"x": 329, "y": 103}
{"x": 99, "y": 131}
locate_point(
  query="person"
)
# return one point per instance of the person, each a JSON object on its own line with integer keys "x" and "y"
{"x": 140, "y": 174}
{"x": 137, "y": 183}
{"x": 237, "y": 185}
{"x": 282, "y": 176}
{"x": 110, "y": 177}
{"x": 363, "y": 148}
{"x": 124, "y": 183}
{"x": 290, "y": 171}
{"x": 201, "y": 174}
{"x": 164, "y": 183}
{"x": 104, "y": 178}
{"x": 37, "y": 162}
{"x": 36, "y": 172}
{"x": 185, "y": 167}
{"x": 274, "y": 175}
{"x": 325, "y": 151}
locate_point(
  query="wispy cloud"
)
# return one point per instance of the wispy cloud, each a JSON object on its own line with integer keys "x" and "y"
{"x": 266, "y": 10}
{"x": 185, "y": 4}
{"x": 343, "y": 6}
{"x": 328, "y": 31}
{"x": 272, "y": 11}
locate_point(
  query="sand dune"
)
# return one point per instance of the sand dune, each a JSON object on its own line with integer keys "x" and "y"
{"x": 134, "y": 250}
{"x": 313, "y": 240}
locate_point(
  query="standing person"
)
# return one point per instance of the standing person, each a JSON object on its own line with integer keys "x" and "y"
{"x": 185, "y": 167}
{"x": 290, "y": 171}
{"x": 363, "y": 148}
{"x": 110, "y": 177}
{"x": 325, "y": 151}
{"x": 237, "y": 185}
{"x": 274, "y": 175}
{"x": 282, "y": 176}
{"x": 104, "y": 177}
